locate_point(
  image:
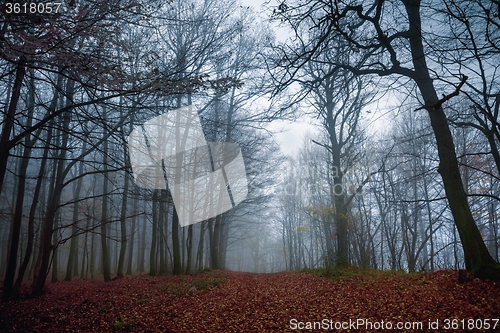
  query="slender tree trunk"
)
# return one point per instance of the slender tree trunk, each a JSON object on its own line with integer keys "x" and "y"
{"x": 183, "y": 248}
{"x": 176, "y": 248}
{"x": 161, "y": 241}
{"x": 123, "y": 213}
{"x": 123, "y": 226}
{"x": 38, "y": 187}
{"x": 55, "y": 253}
{"x": 177, "y": 269}
{"x": 430, "y": 257}
{"x": 85, "y": 254}
{"x": 154, "y": 236}
{"x": 73, "y": 255}
{"x": 163, "y": 222}
{"x": 189, "y": 249}
{"x": 223, "y": 240}
{"x": 201, "y": 245}
{"x": 215, "y": 243}
{"x": 31, "y": 218}
{"x": 104, "y": 211}
{"x": 8, "y": 122}
{"x": 142, "y": 247}
{"x": 131, "y": 245}
{"x": 4, "y": 247}
{"x": 9, "y": 289}
{"x": 46, "y": 246}
{"x": 92, "y": 257}
{"x": 493, "y": 221}
{"x": 16, "y": 227}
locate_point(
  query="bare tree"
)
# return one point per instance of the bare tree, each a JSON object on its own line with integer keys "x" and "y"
{"x": 396, "y": 50}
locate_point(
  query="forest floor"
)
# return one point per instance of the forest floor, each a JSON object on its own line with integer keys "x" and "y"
{"x": 221, "y": 301}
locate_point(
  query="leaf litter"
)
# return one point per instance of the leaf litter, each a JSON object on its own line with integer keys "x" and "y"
{"x": 224, "y": 301}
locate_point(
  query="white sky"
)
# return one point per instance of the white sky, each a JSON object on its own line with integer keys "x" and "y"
{"x": 290, "y": 135}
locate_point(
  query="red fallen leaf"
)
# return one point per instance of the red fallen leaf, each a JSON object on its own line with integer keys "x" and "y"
{"x": 230, "y": 302}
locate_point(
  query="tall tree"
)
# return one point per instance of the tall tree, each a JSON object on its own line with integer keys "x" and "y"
{"x": 367, "y": 28}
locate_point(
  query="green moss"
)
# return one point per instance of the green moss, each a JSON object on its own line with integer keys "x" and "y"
{"x": 487, "y": 271}
{"x": 206, "y": 282}
{"x": 123, "y": 324}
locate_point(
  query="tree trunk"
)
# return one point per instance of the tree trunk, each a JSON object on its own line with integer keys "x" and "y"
{"x": 18, "y": 213}
{"x": 223, "y": 242}
{"x": 46, "y": 246}
{"x": 85, "y": 254}
{"x": 154, "y": 236}
{"x": 55, "y": 258}
{"x": 338, "y": 194}
{"x": 38, "y": 187}
{"x": 177, "y": 269}
{"x": 73, "y": 257}
{"x": 142, "y": 247}
{"x": 201, "y": 246}
{"x": 189, "y": 249}
{"x": 92, "y": 257}
{"x": 131, "y": 245}
{"x": 104, "y": 211}
{"x": 183, "y": 248}
{"x": 8, "y": 122}
{"x": 16, "y": 226}
{"x": 123, "y": 213}
{"x": 214, "y": 243}
{"x": 163, "y": 220}
{"x": 477, "y": 258}
{"x": 31, "y": 218}
{"x": 123, "y": 226}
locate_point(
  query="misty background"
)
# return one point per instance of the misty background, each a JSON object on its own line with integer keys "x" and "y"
{"x": 340, "y": 152}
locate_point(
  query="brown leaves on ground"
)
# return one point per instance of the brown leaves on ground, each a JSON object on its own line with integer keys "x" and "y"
{"x": 221, "y": 301}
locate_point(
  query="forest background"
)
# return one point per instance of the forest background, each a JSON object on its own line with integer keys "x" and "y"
{"x": 401, "y": 171}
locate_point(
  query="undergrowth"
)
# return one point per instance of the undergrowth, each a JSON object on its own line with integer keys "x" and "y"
{"x": 188, "y": 285}
{"x": 347, "y": 272}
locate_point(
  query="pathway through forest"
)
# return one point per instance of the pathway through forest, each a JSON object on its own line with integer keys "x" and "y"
{"x": 218, "y": 301}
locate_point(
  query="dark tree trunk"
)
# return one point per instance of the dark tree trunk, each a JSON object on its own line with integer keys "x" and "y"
{"x": 55, "y": 258}
{"x": 31, "y": 218}
{"x": 163, "y": 222}
{"x": 104, "y": 211}
{"x": 73, "y": 254}
{"x": 131, "y": 245}
{"x": 154, "y": 236}
{"x": 177, "y": 269}
{"x": 46, "y": 246}
{"x": 477, "y": 258}
{"x": 16, "y": 225}
{"x": 123, "y": 213}
{"x": 8, "y": 123}
{"x": 142, "y": 247}
{"x": 189, "y": 249}
{"x": 215, "y": 243}
{"x": 201, "y": 246}
{"x": 123, "y": 227}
